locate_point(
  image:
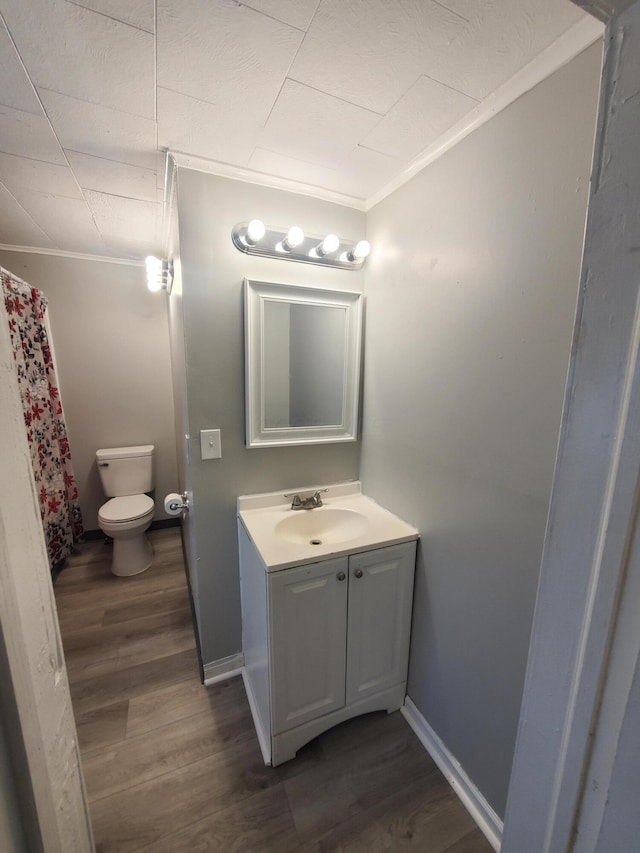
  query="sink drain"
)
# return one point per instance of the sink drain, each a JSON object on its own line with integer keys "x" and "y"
{"x": 315, "y": 541}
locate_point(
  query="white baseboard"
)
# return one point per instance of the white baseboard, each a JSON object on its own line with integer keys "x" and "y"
{"x": 220, "y": 670}
{"x": 479, "y": 809}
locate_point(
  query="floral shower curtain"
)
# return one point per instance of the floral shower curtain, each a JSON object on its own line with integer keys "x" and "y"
{"x": 43, "y": 416}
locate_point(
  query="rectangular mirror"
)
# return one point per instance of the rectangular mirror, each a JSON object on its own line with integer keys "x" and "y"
{"x": 302, "y": 364}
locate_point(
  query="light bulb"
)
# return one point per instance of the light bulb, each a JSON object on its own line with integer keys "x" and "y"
{"x": 295, "y": 236}
{"x": 360, "y": 250}
{"x": 328, "y": 245}
{"x": 155, "y": 267}
{"x": 255, "y": 231}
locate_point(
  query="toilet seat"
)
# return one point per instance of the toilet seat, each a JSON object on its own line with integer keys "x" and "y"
{"x": 125, "y": 509}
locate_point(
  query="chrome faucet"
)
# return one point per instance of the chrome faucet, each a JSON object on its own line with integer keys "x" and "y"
{"x": 312, "y": 502}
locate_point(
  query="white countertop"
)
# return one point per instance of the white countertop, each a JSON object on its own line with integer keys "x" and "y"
{"x": 259, "y": 515}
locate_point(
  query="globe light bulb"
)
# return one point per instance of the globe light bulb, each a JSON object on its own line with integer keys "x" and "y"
{"x": 255, "y": 231}
{"x": 154, "y": 267}
{"x": 328, "y": 245}
{"x": 295, "y": 236}
{"x": 360, "y": 250}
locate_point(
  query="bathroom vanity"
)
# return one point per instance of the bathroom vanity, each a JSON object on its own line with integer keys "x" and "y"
{"x": 326, "y": 612}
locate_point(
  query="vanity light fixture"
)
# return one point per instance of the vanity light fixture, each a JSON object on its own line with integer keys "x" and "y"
{"x": 159, "y": 274}
{"x": 254, "y": 238}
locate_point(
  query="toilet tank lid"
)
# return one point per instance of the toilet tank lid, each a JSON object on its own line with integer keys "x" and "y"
{"x": 124, "y": 452}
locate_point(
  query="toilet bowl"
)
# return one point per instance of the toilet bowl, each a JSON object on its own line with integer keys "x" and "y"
{"x": 126, "y": 474}
{"x": 125, "y": 520}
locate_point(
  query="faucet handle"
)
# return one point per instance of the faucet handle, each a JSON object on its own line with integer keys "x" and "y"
{"x": 296, "y": 503}
{"x": 305, "y": 503}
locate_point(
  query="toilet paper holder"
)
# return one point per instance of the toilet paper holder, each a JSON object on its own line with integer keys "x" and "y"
{"x": 174, "y": 504}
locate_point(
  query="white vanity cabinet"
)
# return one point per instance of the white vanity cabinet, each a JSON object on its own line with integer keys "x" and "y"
{"x": 324, "y": 641}
{"x": 307, "y": 642}
{"x": 379, "y": 623}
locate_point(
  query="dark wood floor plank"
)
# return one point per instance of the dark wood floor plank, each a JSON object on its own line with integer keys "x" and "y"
{"x": 137, "y": 760}
{"x": 98, "y": 649}
{"x": 101, "y": 727}
{"x": 158, "y": 601}
{"x": 262, "y": 823}
{"x": 71, "y": 618}
{"x": 359, "y": 777}
{"x": 359, "y": 730}
{"x": 388, "y": 763}
{"x": 474, "y": 842}
{"x": 94, "y": 639}
{"x": 142, "y": 815}
{"x": 172, "y": 704}
{"x": 320, "y": 800}
{"x": 111, "y": 590}
{"x": 90, "y": 693}
{"x": 85, "y": 663}
{"x": 424, "y": 816}
{"x": 158, "y": 643}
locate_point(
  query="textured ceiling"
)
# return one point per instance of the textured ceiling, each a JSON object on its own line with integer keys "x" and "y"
{"x": 338, "y": 94}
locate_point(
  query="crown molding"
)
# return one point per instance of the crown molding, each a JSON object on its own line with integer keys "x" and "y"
{"x": 78, "y": 256}
{"x": 250, "y": 176}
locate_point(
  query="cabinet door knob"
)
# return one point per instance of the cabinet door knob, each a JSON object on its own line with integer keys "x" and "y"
{"x": 358, "y": 573}
{"x": 341, "y": 576}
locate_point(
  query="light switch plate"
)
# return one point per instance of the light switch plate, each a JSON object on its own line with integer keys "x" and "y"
{"x": 210, "y": 444}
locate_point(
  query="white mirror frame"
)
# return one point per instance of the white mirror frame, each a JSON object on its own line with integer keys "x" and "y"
{"x": 256, "y": 294}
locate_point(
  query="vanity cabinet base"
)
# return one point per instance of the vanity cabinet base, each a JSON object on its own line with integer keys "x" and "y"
{"x": 323, "y": 642}
{"x": 285, "y": 746}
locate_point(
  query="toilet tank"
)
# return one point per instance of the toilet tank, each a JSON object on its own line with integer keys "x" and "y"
{"x": 126, "y": 470}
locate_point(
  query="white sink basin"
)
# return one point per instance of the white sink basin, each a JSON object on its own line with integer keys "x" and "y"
{"x": 322, "y": 526}
{"x": 346, "y": 523}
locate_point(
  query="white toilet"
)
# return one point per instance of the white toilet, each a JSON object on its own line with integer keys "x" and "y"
{"x": 126, "y": 474}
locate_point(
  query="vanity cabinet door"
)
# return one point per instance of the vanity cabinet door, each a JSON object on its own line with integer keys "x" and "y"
{"x": 307, "y": 619}
{"x": 380, "y": 601}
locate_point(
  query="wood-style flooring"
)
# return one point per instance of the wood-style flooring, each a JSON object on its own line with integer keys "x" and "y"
{"x": 173, "y": 767}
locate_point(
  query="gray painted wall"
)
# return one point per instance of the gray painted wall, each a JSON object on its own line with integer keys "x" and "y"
{"x": 471, "y": 291}
{"x": 212, "y": 303}
{"x": 112, "y": 356}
